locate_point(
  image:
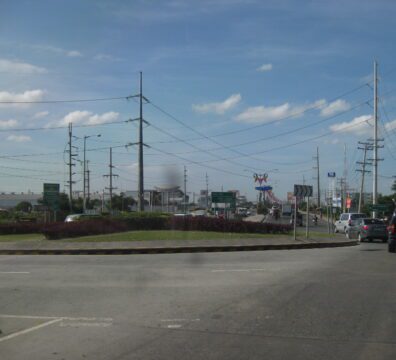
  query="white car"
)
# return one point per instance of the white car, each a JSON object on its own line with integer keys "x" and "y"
{"x": 342, "y": 225}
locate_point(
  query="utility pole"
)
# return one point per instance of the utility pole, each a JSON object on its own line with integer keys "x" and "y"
{"x": 88, "y": 184}
{"x": 375, "y": 138}
{"x": 345, "y": 183}
{"x": 110, "y": 176}
{"x": 207, "y": 191}
{"x": 363, "y": 170}
{"x": 342, "y": 187}
{"x": 317, "y": 175}
{"x": 185, "y": 190}
{"x": 71, "y": 164}
{"x": 85, "y": 170}
{"x": 141, "y": 177}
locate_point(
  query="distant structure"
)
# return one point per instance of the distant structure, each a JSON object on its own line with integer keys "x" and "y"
{"x": 10, "y": 200}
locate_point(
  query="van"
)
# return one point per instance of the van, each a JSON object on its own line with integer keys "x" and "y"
{"x": 345, "y": 221}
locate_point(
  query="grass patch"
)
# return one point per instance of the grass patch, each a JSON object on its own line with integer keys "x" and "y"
{"x": 21, "y": 237}
{"x": 168, "y": 235}
{"x": 318, "y": 234}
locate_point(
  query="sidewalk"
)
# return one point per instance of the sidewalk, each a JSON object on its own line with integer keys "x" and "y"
{"x": 62, "y": 247}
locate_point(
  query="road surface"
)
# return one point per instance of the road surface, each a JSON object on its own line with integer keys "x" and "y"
{"x": 302, "y": 304}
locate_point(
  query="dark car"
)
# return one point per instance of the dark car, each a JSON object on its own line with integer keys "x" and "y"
{"x": 392, "y": 234}
{"x": 370, "y": 229}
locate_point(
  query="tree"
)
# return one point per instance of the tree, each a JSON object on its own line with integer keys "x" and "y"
{"x": 122, "y": 203}
{"x": 24, "y": 206}
{"x": 394, "y": 186}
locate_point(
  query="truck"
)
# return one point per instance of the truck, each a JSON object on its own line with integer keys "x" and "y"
{"x": 287, "y": 209}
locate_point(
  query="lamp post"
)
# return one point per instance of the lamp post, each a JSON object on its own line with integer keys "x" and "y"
{"x": 84, "y": 169}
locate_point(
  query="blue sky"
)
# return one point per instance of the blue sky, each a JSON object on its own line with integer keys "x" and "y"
{"x": 247, "y": 79}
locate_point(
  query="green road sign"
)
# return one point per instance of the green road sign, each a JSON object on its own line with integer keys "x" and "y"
{"x": 224, "y": 198}
{"x": 380, "y": 207}
{"x": 51, "y": 195}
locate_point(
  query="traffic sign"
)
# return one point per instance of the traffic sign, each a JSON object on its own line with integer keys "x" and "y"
{"x": 303, "y": 190}
{"x": 224, "y": 198}
{"x": 51, "y": 195}
{"x": 263, "y": 188}
{"x": 331, "y": 174}
{"x": 380, "y": 207}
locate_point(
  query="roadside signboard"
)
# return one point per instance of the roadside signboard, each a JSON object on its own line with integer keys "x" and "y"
{"x": 224, "y": 198}
{"x": 380, "y": 207}
{"x": 51, "y": 195}
{"x": 348, "y": 202}
{"x": 303, "y": 190}
{"x": 263, "y": 188}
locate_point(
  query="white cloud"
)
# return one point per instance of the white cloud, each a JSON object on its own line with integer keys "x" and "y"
{"x": 74, "y": 53}
{"x": 56, "y": 50}
{"x": 389, "y": 126}
{"x": 106, "y": 57}
{"x": 218, "y": 107}
{"x": 8, "y": 124}
{"x": 359, "y": 126}
{"x": 27, "y": 96}
{"x": 19, "y": 138}
{"x": 335, "y": 107}
{"x": 20, "y": 67}
{"x": 40, "y": 114}
{"x": 264, "y": 67}
{"x": 263, "y": 114}
{"x": 89, "y": 118}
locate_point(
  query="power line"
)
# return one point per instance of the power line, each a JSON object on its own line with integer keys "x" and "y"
{"x": 42, "y": 128}
{"x": 288, "y": 132}
{"x": 287, "y": 145}
{"x": 69, "y": 101}
{"x": 297, "y": 113}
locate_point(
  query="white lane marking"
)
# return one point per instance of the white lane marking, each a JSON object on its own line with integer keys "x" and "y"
{"x": 33, "y": 328}
{"x": 7, "y": 316}
{"x": 175, "y": 320}
{"x": 238, "y": 270}
{"x": 174, "y": 326}
{"x": 85, "y": 324}
{"x": 14, "y": 272}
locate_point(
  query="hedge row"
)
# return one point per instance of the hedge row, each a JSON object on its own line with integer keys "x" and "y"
{"x": 20, "y": 228}
{"x": 106, "y": 226}
{"x": 221, "y": 225}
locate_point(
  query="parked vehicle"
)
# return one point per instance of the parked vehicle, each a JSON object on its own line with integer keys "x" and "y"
{"x": 80, "y": 217}
{"x": 345, "y": 221}
{"x": 299, "y": 219}
{"x": 368, "y": 229}
{"x": 286, "y": 209}
{"x": 392, "y": 234}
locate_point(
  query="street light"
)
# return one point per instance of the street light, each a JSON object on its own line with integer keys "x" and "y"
{"x": 84, "y": 170}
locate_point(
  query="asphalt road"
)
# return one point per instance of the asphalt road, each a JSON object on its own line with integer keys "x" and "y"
{"x": 303, "y": 304}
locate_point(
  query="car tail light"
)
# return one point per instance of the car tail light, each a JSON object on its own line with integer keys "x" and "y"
{"x": 392, "y": 229}
{"x": 365, "y": 227}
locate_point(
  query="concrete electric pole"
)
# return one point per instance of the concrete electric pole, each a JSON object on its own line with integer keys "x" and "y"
{"x": 110, "y": 175}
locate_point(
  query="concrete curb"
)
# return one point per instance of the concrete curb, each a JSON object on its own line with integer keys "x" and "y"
{"x": 176, "y": 249}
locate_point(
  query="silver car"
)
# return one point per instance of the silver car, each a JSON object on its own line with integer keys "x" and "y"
{"x": 342, "y": 225}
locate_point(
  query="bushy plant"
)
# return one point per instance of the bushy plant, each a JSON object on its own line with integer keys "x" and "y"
{"x": 111, "y": 225}
{"x": 20, "y": 228}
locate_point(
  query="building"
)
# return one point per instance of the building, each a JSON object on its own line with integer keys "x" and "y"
{"x": 10, "y": 200}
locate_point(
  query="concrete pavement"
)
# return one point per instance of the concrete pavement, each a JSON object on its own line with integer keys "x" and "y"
{"x": 306, "y": 304}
